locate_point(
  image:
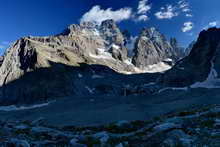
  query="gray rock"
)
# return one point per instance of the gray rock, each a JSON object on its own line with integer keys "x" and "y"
{"x": 73, "y": 143}
{"x": 113, "y": 36}
{"x": 119, "y": 145}
{"x": 151, "y": 48}
{"x": 166, "y": 126}
{"x": 177, "y": 138}
{"x": 102, "y": 136}
{"x": 18, "y": 143}
{"x": 198, "y": 64}
{"x": 38, "y": 122}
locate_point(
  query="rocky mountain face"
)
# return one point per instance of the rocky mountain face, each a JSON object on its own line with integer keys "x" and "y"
{"x": 37, "y": 68}
{"x": 201, "y": 67}
{"x": 189, "y": 48}
{"x": 152, "y": 47}
{"x": 178, "y": 52}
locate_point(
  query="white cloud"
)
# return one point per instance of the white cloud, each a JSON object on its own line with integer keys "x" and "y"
{"x": 187, "y": 26}
{"x": 183, "y": 4}
{"x": 142, "y": 18}
{"x": 97, "y": 15}
{"x": 185, "y": 7}
{"x": 143, "y": 7}
{"x": 143, "y": 10}
{"x": 167, "y": 12}
{"x": 213, "y": 24}
{"x": 189, "y": 15}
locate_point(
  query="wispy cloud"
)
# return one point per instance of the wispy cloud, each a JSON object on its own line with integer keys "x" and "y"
{"x": 142, "y": 18}
{"x": 213, "y": 23}
{"x": 189, "y": 15}
{"x": 167, "y": 12}
{"x": 97, "y": 15}
{"x": 143, "y": 9}
{"x": 187, "y": 26}
{"x": 184, "y": 6}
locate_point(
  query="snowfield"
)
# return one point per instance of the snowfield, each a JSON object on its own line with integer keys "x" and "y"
{"x": 16, "y": 108}
{"x": 211, "y": 82}
{"x": 159, "y": 67}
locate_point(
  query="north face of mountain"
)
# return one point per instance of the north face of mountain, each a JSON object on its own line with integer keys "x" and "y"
{"x": 201, "y": 66}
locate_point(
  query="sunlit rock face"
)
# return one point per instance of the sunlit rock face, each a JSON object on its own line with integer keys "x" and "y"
{"x": 152, "y": 47}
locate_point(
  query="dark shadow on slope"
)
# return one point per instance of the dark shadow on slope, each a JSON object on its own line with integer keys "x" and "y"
{"x": 59, "y": 80}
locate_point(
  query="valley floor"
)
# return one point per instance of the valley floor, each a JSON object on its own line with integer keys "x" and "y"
{"x": 97, "y": 110}
{"x": 195, "y": 126}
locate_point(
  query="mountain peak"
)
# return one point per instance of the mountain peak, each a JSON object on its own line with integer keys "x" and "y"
{"x": 153, "y": 34}
{"x": 109, "y": 23}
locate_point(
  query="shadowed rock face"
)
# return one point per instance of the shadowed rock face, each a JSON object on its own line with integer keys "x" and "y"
{"x": 178, "y": 51}
{"x": 189, "y": 48}
{"x": 197, "y": 65}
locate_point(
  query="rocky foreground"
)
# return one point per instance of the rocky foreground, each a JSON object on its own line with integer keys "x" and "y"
{"x": 195, "y": 127}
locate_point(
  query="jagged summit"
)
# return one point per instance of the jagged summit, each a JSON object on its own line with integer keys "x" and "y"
{"x": 152, "y": 48}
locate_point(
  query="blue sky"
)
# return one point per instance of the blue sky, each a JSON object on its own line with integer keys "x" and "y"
{"x": 182, "y": 19}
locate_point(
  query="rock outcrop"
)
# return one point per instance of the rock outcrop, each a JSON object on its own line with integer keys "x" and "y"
{"x": 201, "y": 65}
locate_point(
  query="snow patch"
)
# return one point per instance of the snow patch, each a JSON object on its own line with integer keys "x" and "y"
{"x": 181, "y": 68}
{"x": 91, "y": 90}
{"x": 159, "y": 67}
{"x": 116, "y": 46}
{"x": 173, "y": 88}
{"x": 211, "y": 82}
{"x": 80, "y": 75}
{"x": 16, "y": 108}
{"x": 102, "y": 54}
{"x": 128, "y": 61}
{"x": 96, "y": 32}
{"x": 149, "y": 84}
{"x": 97, "y": 76}
{"x": 145, "y": 38}
{"x": 168, "y": 60}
